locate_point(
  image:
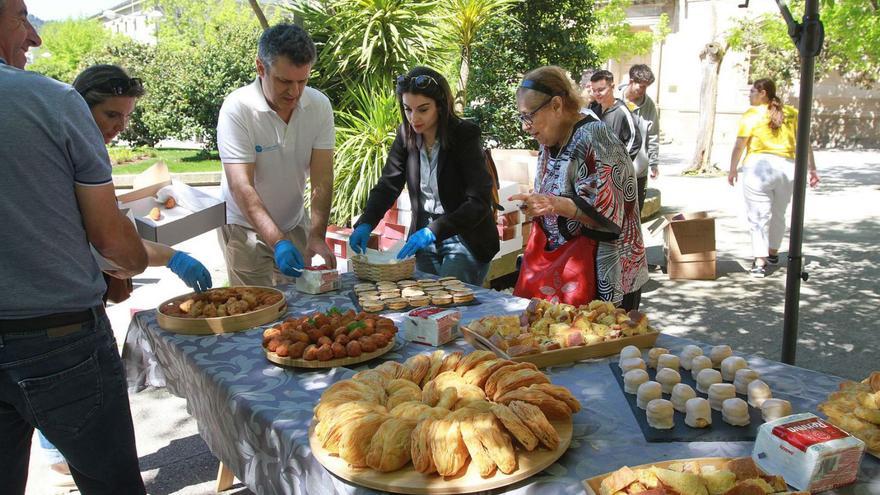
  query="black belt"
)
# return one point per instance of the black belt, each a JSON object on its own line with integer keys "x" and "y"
{"x": 49, "y": 322}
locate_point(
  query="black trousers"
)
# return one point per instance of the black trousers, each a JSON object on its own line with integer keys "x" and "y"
{"x": 632, "y": 300}
{"x": 642, "y": 183}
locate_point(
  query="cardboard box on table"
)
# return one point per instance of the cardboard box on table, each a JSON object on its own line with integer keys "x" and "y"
{"x": 517, "y": 166}
{"x": 194, "y": 214}
{"x": 689, "y": 245}
{"x": 337, "y": 240}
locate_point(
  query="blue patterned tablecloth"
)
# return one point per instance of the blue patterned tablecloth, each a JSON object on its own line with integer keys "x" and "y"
{"x": 255, "y": 416}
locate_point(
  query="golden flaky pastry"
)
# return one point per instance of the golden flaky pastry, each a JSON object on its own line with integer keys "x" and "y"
{"x": 515, "y": 426}
{"x": 491, "y": 383}
{"x": 450, "y": 362}
{"x": 420, "y": 447}
{"x": 552, "y": 408}
{"x": 482, "y": 371}
{"x": 517, "y": 379}
{"x": 345, "y": 391}
{"x": 468, "y": 362}
{"x": 467, "y": 394}
{"x": 432, "y": 389}
{"x": 375, "y": 378}
{"x": 395, "y": 370}
{"x": 329, "y": 431}
{"x": 447, "y": 399}
{"x": 447, "y": 447}
{"x": 419, "y": 365}
{"x": 537, "y": 422}
{"x": 389, "y": 447}
{"x": 496, "y": 442}
{"x": 356, "y": 437}
{"x": 478, "y": 452}
{"x": 559, "y": 392}
{"x": 434, "y": 370}
{"x": 401, "y": 390}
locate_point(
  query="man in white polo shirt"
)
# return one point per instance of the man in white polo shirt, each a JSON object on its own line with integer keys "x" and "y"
{"x": 273, "y": 134}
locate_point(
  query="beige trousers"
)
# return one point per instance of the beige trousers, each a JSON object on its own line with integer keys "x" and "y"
{"x": 250, "y": 261}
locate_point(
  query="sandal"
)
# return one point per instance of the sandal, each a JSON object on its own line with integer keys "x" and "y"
{"x": 758, "y": 271}
{"x": 773, "y": 259}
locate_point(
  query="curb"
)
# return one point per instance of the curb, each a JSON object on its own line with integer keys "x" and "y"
{"x": 189, "y": 178}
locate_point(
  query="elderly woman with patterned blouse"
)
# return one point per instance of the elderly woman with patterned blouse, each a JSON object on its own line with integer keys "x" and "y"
{"x": 586, "y": 241}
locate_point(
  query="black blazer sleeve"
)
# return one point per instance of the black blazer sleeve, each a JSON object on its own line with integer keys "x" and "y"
{"x": 464, "y": 156}
{"x": 385, "y": 192}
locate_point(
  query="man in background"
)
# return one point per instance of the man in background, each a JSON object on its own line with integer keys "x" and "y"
{"x": 614, "y": 112}
{"x": 641, "y": 105}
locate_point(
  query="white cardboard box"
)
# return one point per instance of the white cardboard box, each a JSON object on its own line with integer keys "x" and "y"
{"x": 431, "y": 326}
{"x": 318, "y": 281}
{"x": 195, "y": 213}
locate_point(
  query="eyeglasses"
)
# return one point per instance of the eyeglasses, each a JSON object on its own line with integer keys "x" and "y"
{"x": 118, "y": 86}
{"x": 423, "y": 81}
{"x": 528, "y": 119}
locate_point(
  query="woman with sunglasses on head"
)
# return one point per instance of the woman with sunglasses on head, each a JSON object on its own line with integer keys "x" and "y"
{"x": 111, "y": 96}
{"x": 586, "y": 241}
{"x": 439, "y": 158}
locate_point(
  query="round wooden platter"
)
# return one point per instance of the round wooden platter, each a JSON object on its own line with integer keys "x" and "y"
{"x": 221, "y": 324}
{"x": 408, "y": 480}
{"x": 333, "y": 363}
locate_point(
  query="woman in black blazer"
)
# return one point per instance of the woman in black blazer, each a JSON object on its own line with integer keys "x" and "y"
{"x": 438, "y": 156}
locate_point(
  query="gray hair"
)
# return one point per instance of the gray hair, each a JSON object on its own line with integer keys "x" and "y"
{"x": 94, "y": 84}
{"x": 288, "y": 40}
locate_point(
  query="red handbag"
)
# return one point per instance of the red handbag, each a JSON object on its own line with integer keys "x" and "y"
{"x": 567, "y": 274}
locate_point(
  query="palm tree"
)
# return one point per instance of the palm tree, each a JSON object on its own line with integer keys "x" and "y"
{"x": 460, "y": 25}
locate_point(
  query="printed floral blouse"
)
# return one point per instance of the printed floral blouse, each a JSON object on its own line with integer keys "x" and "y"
{"x": 594, "y": 170}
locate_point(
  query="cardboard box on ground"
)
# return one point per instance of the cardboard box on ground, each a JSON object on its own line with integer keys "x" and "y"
{"x": 689, "y": 245}
{"x": 194, "y": 213}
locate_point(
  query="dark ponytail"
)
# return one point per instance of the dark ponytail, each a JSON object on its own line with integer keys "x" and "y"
{"x": 775, "y": 105}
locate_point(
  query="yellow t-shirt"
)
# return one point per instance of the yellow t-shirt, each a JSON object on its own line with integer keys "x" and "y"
{"x": 755, "y": 124}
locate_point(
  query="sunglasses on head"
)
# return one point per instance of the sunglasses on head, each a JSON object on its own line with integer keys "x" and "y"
{"x": 118, "y": 86}
{"x": 423, "y": 81}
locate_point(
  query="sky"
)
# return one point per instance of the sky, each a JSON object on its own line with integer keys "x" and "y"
{"x": 51, "y": 10}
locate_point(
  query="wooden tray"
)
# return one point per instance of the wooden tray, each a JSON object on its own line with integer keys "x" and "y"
{"x": 591, "y": 485}
{"x": 565, "y": 355}
{"x": 222, "y": 324}
{"x": 408, "y": 480}
{"x": 333, "y": 363}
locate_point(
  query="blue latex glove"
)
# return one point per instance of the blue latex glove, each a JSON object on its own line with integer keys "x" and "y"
{"x": 359, "y": 238}
{"x": 416, "y": 242}
{"x": 190, "y": 270}
{"x": 288, "y": 259}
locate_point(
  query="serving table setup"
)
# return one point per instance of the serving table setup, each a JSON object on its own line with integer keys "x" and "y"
{"x": 273, "y": 402}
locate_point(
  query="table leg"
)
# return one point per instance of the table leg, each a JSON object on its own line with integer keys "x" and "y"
{"x": 225, "y": 478}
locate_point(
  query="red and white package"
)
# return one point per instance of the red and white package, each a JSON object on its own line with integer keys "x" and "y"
{"x": 809, "y": 453}
{"x": 317, "y": 280}
{"x": 432, "y": 326}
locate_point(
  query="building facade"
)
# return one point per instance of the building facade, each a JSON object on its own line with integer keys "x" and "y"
{"x": 843, "y": 115}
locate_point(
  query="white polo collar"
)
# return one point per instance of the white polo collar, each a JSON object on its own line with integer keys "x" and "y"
{"x": 255, "y": 98}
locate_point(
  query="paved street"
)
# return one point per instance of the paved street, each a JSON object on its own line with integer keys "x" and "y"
{"x": 838, "y": 329}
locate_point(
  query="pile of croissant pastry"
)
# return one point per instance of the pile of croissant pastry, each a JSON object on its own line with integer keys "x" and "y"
{"x": 856, "y": 409}
{"x": 437, "y": 411}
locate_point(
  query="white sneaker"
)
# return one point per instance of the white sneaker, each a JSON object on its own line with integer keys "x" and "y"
{"x": 59, "y": 478}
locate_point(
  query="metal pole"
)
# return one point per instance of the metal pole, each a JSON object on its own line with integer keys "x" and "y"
{"x": 810, "y": 36}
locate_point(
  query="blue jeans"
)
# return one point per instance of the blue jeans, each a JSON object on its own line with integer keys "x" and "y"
{"x": 451, "y": 258}
{"x": 69, "y": 383}
{"x": 50, "y": 452}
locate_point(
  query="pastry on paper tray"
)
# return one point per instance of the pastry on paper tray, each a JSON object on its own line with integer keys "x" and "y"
{"x": 434, "y": 411}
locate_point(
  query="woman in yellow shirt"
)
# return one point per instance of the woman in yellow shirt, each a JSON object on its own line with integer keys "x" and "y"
{"x": 767, "y": 133}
